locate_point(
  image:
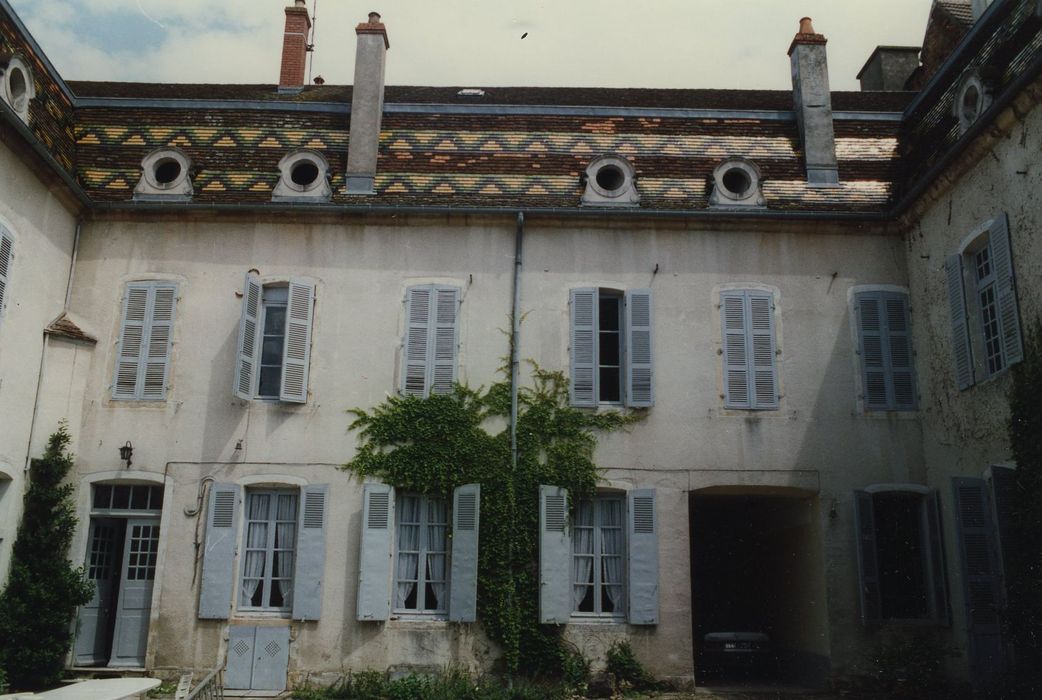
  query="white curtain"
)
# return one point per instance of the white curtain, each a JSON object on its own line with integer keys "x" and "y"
{"x": 437, "y": 544}
{"x": 408, "y": 510}
{"x": 582, "y": 537}
{"x": 611, "y": 550}
{"x": 256, "y": 545}
{"x": 286, "y": 541}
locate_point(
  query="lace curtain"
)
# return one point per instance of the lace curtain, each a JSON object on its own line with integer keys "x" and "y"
{"x": 437, "y": 544}
{"x": 582, "y": 537}
{"x": 256, "y": 546}
{"x": 285, "y": 542}
{"x": 611, "y": 551}
{"x": 406, "y": 574}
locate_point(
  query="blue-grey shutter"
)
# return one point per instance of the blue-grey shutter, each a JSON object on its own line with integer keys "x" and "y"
{"x": 960, "y": 328}
{"x": 158, "y": 341}
{"x": 901, "y": 372}
{"x": 374, "y": 565}
{"x": 248, "y": 353}
{"x": 643, "y": 557}
{"x": 1003, "y": 483}
{"x": 867, "y": 558}
{"x": 640, "y": 359}
{"x": 132, "y": 337}
{"x": 215, "y": 595}
{"x": 445, "y": 325}
{"x": 555, "y": 557}
{"x": 1006, "y": 290}
{"x": 761, "y": 349}
{"x": 6, "y": 251}
{"x": 417, "y": 340}
{"x": 583, "y": 352}
{"x": 980, "y": 582}
{"x": 311, "y": 553}
{"x": 296, "y": 355}
{"x": 937, "y": 571}
{"x": 872, "y": 351}
{"x": 735, "y": 350}
{"x": 463, "y": 582}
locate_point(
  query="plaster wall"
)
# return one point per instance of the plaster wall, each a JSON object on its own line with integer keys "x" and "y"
{"x": 43, "y": 232}
{"x": 686, "y": 442}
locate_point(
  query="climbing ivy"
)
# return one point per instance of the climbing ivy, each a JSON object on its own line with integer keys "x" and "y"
{"x": 435, "y": 444}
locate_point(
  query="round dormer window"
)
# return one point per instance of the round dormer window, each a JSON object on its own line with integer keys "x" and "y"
{"x": 736, "y": 183}
{"x": 165, "y": 173}
{"x": 972, "y": 98}
{"x": 303, "y": 176}
{"x": 18, "y": 88}
{"x": 610, "y": 181}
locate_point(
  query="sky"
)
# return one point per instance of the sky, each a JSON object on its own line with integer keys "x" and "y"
{"x": 472, "y": 43}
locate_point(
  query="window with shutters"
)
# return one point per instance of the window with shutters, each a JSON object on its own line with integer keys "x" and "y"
{"x": 6, "y": 258}
{"x": 421, "y": 571}
{"x": 749, "y": 349}
{"x": 982, "y": 293}
{"x": 900, "y": 554}
{"x": 431, "y": 342}
{"x": 274, "y": 349}
{"x": 884, "y": 350}
{"x": 599, "y": 557}
{"x": 269, "y": 550}
{"x": 145, "y": 340}
{"x": 611, "y": 347}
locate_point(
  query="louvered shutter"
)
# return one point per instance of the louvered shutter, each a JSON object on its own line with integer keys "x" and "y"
{"x": 131, "y": 342}
{"x": 761, "y": 350}
{"x": 296, "y": 355}
{"x": 446, "y": 340}
{"x": 160, "y": 331}
{"x": 311, "y": 553}
{"x": 643, "y": 557}
{"x": 246, "y": 370}
{"x": 978, "y": 560}
{"x": 901, "y": 384}
{"x": 417, "y": 332}
{"x": 215, "y": 595}
{"x": 867, "y": 558}
{"x": 463, "y": 582}
{"x": 640, "y": 369}
{"x": 374, "y": 566}
{"x": 873, "y": 365}
{"x": 1002, "y": 491}
{"x": 1006, "y": 290}
{"x": 583, "y": 313}
{"x": 555, "y": 558}
{"x": 736, "y": 357}
{"x": 938, "y": 579}
{"x": 6, "y": 250}
{"x": 960, "y": 328}
{"x": 885, "y": 348}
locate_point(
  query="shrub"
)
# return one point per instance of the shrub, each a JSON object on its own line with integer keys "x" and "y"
{"x": 623, "y": 664}
{"x": 43, "y": 591}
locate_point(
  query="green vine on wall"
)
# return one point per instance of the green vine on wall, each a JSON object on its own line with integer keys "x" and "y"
{"x": 435, "y": 444}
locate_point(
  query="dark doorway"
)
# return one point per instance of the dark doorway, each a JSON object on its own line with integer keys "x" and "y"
{"x": 758, "y": 591}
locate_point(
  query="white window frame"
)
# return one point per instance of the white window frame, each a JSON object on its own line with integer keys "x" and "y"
{"x": 269, "y": 549}
{"x": 422, "y": 579}
{"x": 620, "y": 613}
{"x": 18, "y": 103}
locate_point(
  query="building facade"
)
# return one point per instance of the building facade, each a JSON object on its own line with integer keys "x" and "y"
{"x": 809, "y": 296}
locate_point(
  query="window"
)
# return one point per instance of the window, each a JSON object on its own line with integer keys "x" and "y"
{"x": 611, "y": 347}
{"x": 982, "y": 298}
{"x": 6, "y": 255}
{"x": 145, "y": 340}
{"x": 165, "y": 174}
{"x": 602, "y": 561}
{"x": 431, "y": 340}
{"x": 749, "y": 348}
{"x": 18, "y": 87}
{"x": 303, "y": 176}
{"x": 406, "y": 543}
{"x": 885, "y": 350}
{"x": 736, "y": 183}
{"x": 598, "y": 557}
{"x": 421, "y": 574}
{"x": 275, "y": 340}
{"x": 900, "y": 556}
{"x": 610, "y": 181}
{"x": 268, "y": 550}
{"x": 122, "y": 497}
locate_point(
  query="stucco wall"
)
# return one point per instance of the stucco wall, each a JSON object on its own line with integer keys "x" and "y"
{"x": 687, "y": 441}
{"x": 43, "y": 231}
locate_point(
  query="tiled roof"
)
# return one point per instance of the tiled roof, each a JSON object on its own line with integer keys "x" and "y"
{"x": 65, "y": 327}
{"x": 960, "y": 11}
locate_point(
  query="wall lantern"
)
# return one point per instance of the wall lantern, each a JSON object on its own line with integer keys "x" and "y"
{"x": 126, "y": 452}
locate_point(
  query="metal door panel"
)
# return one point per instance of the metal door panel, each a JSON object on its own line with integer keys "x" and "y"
{"x": 238, "y": 671}
{"x": 270, "y": 658}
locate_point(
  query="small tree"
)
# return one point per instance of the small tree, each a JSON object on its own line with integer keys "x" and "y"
{"x": 38, "y": 604}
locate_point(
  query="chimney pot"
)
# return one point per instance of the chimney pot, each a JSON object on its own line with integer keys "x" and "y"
{"x": 300, "y": 3}
{"x": 374, "y": 18}
{"x": 806, "y": 27}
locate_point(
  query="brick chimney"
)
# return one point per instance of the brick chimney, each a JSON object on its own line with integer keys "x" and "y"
{"x": 295, "y": 47}
{"x": 367, "y": 105}
{"x": 813, "y": 104}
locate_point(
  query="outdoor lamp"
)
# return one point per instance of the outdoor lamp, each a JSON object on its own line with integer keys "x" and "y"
{"x": 126, "y": 452}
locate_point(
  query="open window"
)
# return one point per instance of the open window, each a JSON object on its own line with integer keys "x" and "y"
{"x": 274, "y": 349}
{"x": 900, "y": 554}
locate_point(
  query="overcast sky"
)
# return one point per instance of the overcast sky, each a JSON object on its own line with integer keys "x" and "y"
{"x": 604, "y": 43}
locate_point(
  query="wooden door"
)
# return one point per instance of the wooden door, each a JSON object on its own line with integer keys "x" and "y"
{"x": 94, "y": 619}
{"x": 135, "y": 595}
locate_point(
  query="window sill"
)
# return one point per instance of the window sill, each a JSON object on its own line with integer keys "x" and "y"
{"x": 263, "y": 615}
{"x": 418, "y": 621}
{"x": 594, "y": 619}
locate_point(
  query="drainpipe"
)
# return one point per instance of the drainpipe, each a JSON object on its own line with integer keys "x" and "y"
{"x": 515, "y": 342}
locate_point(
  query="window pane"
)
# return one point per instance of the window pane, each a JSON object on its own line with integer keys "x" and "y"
{"x": 121, "y": 497}
{"x": 274, "y": 320}
{"x": 270, "y": 381}
{"x": 139, "y": 497}
{"x": 271, "y": 350}
{"x": 609, "y": 313}
{"x": 899, "y": 543}
{"x": 102, "y": 496}
{"x": 156, "y": 499}
{"x": 610, "y": 389}
{"x": 609, "y": 349}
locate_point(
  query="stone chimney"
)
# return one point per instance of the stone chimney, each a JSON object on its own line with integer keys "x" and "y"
{"x": 813, "y": 105}
{"x": 294, "y": 48}
{"x": 367, "y": 105}
{"x": 889, "y": 68}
